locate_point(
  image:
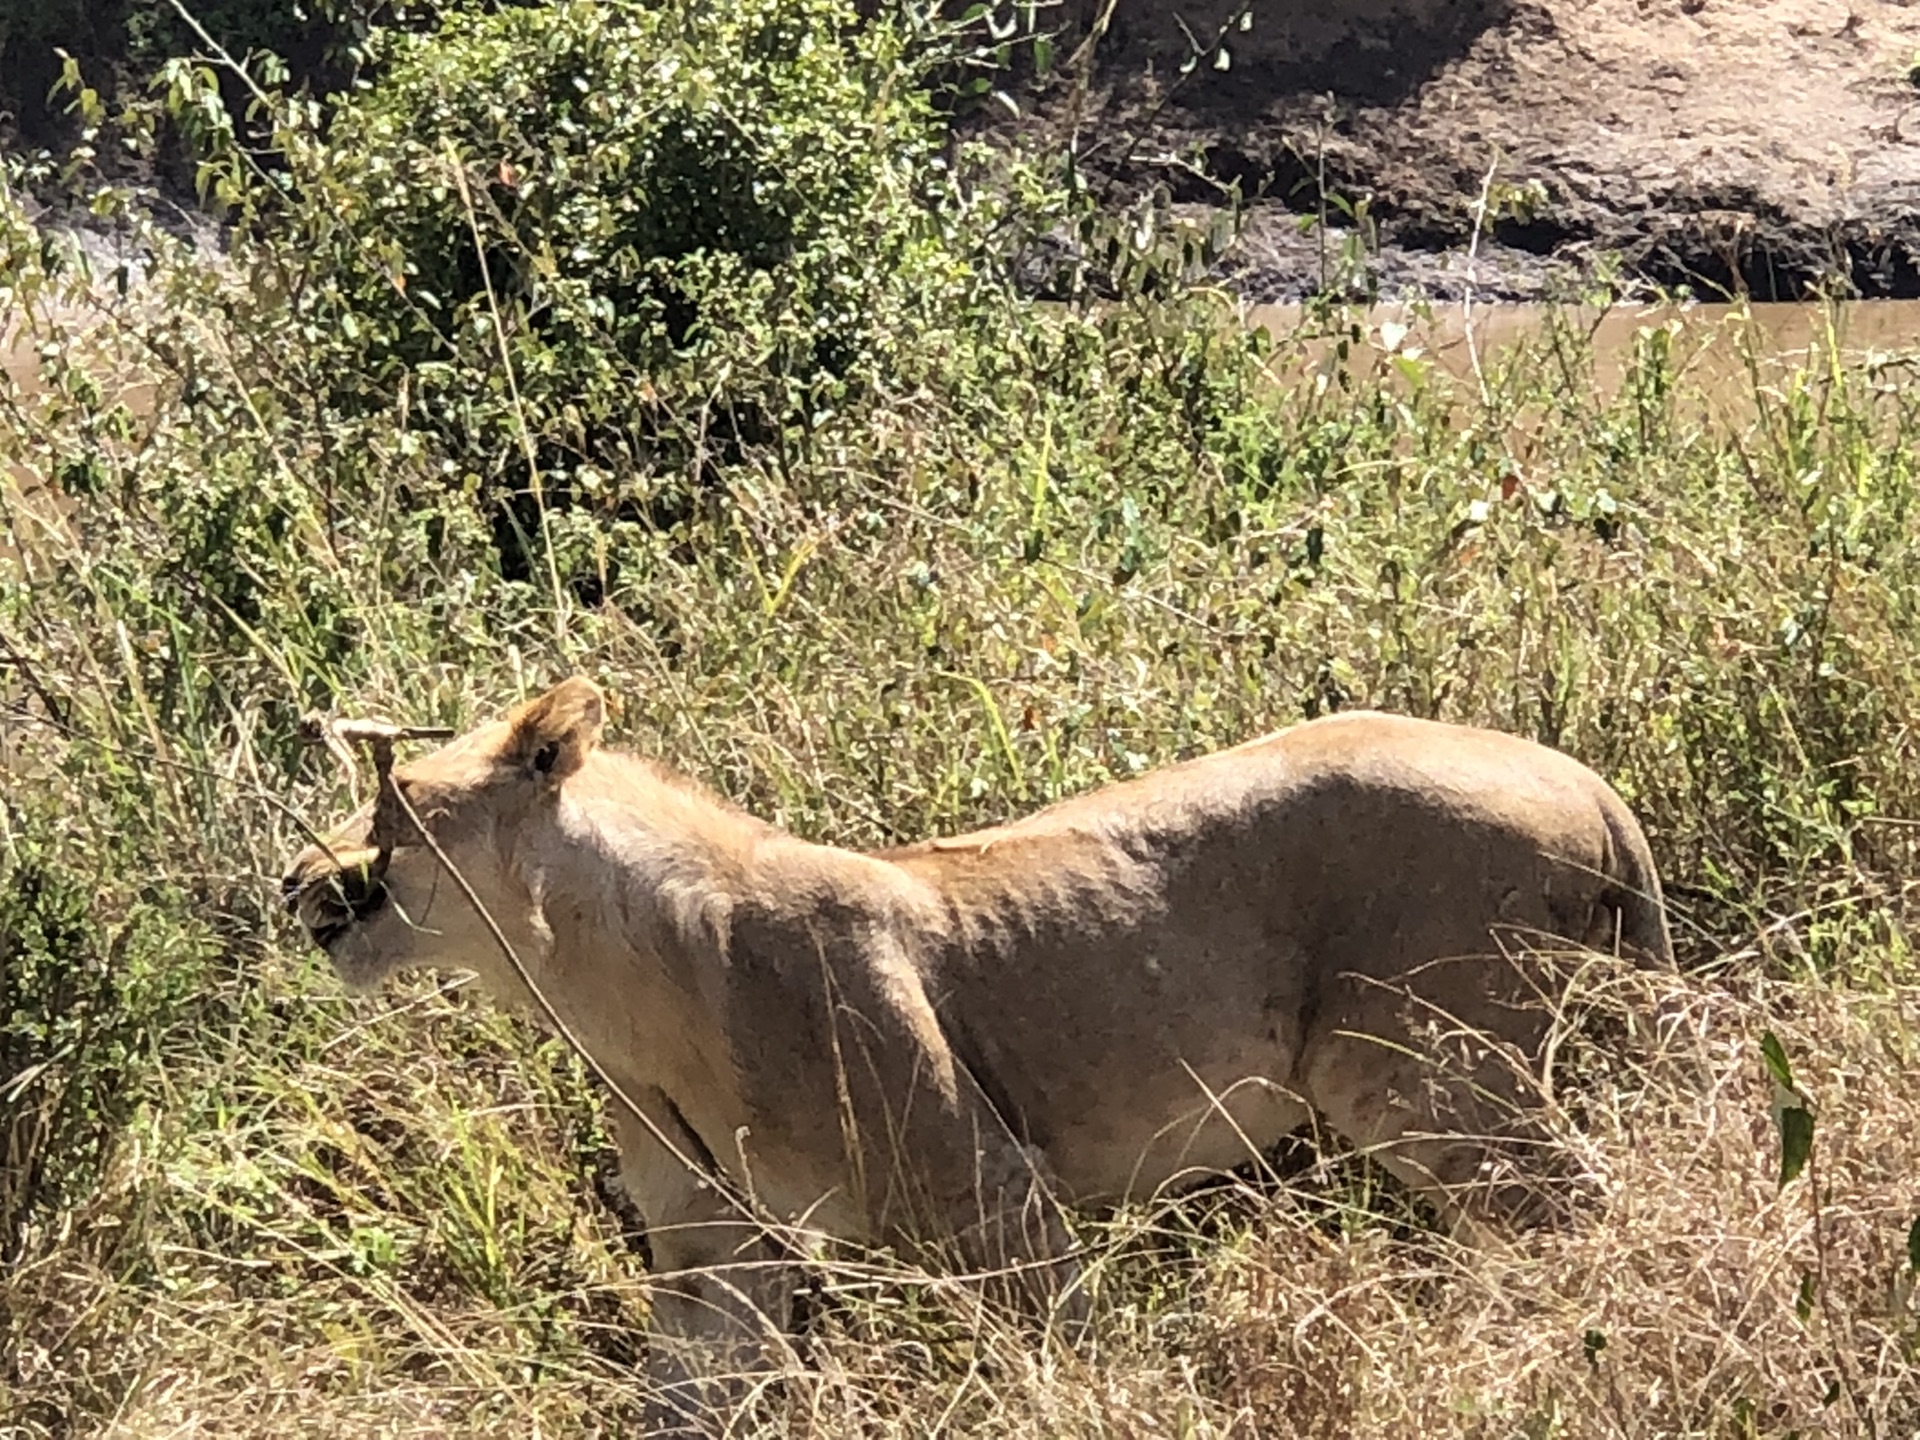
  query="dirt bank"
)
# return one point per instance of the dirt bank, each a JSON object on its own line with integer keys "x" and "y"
{"x": 1763, "y": 145}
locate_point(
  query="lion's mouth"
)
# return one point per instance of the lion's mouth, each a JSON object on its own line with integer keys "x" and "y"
{"x": 325, "y": 935}
{"x": 333, "y": 916}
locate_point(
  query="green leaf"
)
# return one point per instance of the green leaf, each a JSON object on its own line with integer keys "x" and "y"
{"x": 1591, "y": 1344}
{"x": 1913, "y": 1247}
{"x": 1803, "y": 1302}
{"x": 1796, "y": 1141}
{"x": 1776, "y": 1057}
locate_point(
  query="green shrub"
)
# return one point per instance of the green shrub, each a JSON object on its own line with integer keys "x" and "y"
{"x": 95, "y": 967}
{"x": 595, "y": 250}
{"x": 121, "y": 45}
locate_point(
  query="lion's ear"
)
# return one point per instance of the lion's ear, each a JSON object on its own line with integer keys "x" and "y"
{"x": 554, "y": 734}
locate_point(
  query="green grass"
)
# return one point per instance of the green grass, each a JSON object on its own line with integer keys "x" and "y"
{"x": 1041, "y": 546}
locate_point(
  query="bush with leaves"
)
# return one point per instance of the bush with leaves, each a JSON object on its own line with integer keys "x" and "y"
{"x": 95, "y": 964}
{"x": 595, "y": 249}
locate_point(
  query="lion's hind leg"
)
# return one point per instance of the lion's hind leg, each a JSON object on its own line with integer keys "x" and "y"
{"x": 1001, "y": 1231}
{"x": 1437, "y": 1081}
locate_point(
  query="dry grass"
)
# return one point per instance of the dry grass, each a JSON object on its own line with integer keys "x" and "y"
{"x": 1672, "y": 1308}
{"x": 1677, "y": 1302}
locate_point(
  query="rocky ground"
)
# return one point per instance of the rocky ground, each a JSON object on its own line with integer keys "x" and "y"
{"x": 1728, "y": 145}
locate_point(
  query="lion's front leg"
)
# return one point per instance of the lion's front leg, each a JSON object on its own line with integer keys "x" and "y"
{"x": 722, "y": 1296}
{"x": 721, "y": 1309}
{"x": 1012, "y": 1232}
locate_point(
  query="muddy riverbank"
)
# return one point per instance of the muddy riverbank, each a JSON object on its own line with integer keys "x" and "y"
{"x": 1762, "y": 147}
{"x": 1492, "y": 149}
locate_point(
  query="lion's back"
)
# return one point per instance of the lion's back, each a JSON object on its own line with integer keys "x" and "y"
{"x": 1103, "y": 955}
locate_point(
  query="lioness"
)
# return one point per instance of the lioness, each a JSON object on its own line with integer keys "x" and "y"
{"x": 1151, "y": 981}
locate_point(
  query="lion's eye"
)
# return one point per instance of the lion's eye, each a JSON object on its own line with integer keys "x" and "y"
{"x": 545, "y": 756}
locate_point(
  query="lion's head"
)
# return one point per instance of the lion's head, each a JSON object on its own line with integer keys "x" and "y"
{"x": 375, "y": 896}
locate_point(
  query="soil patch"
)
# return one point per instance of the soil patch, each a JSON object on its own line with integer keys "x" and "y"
{"x": 1735, "y": 146}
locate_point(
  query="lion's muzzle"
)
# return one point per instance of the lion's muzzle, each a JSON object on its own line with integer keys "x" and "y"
{"x": 331, "y": 891}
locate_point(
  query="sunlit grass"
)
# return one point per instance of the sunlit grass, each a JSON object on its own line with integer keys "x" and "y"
{"x": 241, "y": 1202}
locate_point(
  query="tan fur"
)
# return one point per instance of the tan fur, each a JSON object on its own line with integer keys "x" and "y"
{"x": 1144, "y": 983}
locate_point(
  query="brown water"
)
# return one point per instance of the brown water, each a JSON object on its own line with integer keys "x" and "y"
{"x": 26, "y": 501}
{"x": 1720, "y": 351}
{"x": 30, "y": 505}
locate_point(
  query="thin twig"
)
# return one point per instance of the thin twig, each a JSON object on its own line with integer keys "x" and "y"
{"x": 1480, "y": 209}
{"x": 534, "y": 483}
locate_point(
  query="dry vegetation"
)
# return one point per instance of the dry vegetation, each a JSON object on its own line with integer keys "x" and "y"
{"x": 972, "y": 554}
